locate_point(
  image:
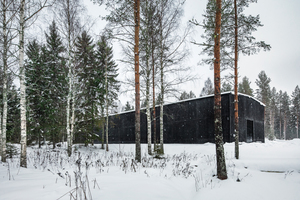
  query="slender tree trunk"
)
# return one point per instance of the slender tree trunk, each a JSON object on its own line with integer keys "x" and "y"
{"x": 137, "y": 82}
{"x": 272, "y": 118}
{"x": 73, "y": 111}
{"x": 148, "y": 117}
{"x": 23, "y": 157}
{"x": 0, "y": 134}
{"x": 280, "y": 122}
{"x": 161, "y": 116}
{"x": 5, "y": 67}
{"x": 297, "y": 127}
{"x": 103, "y": 127}
{"x": 236, "y": 105}
{"x": 148, "y": 113}
{"x": 70, "y": 77}
{"x": 154, "y": 114}
{"x": 284, "y": 126}
{"x": 221, "y": 166}
{"x": 153, "y": 87}
{"x": 106, "y": 100}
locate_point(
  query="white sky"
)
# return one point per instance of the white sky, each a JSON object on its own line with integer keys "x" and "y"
{"x": 281, "y": 30}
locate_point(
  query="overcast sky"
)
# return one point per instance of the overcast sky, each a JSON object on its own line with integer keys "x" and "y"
{"x": 281, "y": 19}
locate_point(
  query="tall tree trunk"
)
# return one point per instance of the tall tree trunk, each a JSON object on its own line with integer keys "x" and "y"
{"x": 284, "y": 126}
{"x": 5, "y": 67}
{"x": 73, "y": 111}
{"x": 236, "y": 105}
{"x": 148, "y": 116}
{"x": 153, "y": 87}
{"x": 148, "y": 113}
{"x": 70, "y": 81}
{"x": 103, "y": 127}
{"x": 221, "y": 166}
{"x": 23, "y": 157}
{"x": 280, "y": 121}
{"x": 106, "y": 100}
{"x": 0, "y": 134}
{"x": 137, "y": 82}
{"x": 161, "y": 116}
{"x": 297, "y": 127}
{"x": 272, "y": 119}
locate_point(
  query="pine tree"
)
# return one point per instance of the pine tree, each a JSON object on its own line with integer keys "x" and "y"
{"x": 226, "y": 87}
{"x": 56, "y": 83}
{"x": 110, "y": 85}
{"x": 286, "y": 113}
{"x": 128, "y": 107}
{"x": 87, "y": 72}
{"x": 35, "y": 89}
{"x": 273, "y": 111}
{"x": 244, "y": 87}
{"x": 220, "y": 156}
{"x": 296, "y": 108}
{"x": 263, "y": 94}
{"x": 263, "y": 91}
{"x": 186, "y": 95}
{"x": 207, "y": 89}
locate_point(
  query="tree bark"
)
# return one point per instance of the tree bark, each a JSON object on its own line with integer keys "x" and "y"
{"x": 297, "y": 127}
{"x": 236, "y": 105}
{"x": 23, "y": 157}
{"x": 137, "y": 82}
{"x": 221, "y": 166}
{"x": 148, "y": 112}
{"x": 0, "y": 134}
{"x": 153, "y": 87}
{"x": 161, "y": 115}
{"x": 106, "y": 100}
{"x": 154, "y": 114}
{"x": 70, "y": 103}
{"x": 5, "y": 68}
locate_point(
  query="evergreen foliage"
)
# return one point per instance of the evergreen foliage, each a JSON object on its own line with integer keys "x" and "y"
{"x": 244, "y": 87}
{"x": 208, "y": 88}
{"x": 90, "y": 76}
{"x": 226, "y": 87}
{"x": 186, "y": 95}
{"x": 263, "y": 91}
{"x": 128, "y": 107}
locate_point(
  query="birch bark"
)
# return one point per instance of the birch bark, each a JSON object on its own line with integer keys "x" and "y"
{"x": 23, "y": 157}
{"x": 5, "y": 68}
{"x": 106, "y": 100}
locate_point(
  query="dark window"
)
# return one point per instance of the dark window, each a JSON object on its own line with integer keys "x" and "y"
{"x": 249, "y": 131}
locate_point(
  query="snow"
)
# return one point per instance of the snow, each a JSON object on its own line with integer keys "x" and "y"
{"x": 268, "y": 170}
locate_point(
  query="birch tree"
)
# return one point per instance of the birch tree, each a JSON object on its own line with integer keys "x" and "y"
{"x": 67, "y": 12}
{"x": 171, "y": 54}
{"x": 111, "y": 86}
{"x": 36, "y": 7}
{"x": 8, "y": 13}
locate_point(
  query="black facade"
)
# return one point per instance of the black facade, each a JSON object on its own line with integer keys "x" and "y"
{"x": 192, "y": 121}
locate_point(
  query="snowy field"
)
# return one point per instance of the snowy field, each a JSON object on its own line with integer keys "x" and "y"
{"x": 268, "y": 171}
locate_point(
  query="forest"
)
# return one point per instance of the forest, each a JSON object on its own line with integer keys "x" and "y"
{"x": 60, "y": 80}
{"x": 59, "y": 87}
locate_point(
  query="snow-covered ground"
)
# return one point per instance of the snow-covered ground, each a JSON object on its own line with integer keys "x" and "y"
{"x": 268, "y": 170}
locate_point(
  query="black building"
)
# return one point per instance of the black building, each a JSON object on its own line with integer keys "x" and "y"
{"x": 192, "y": 121}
